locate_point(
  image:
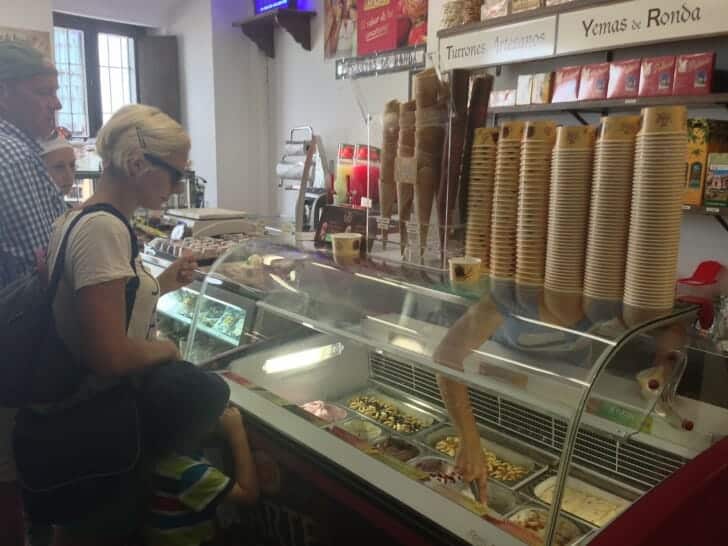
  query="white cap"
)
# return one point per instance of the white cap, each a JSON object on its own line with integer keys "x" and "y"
{"x": 53, "y": 144}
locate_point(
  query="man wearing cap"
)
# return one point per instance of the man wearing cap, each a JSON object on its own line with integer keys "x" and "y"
{"x": 29, "y": 203}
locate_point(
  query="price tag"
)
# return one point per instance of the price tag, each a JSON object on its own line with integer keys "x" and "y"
{"x": 366, "y": 202}
{"x": 178, "y": 233}
{"x": 405, "y": 170}
{"x": 712, "y": 210}
{"x": 687, "y": 208}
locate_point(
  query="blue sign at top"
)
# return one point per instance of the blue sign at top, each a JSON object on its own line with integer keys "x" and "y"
{"x": 263, "y": 6}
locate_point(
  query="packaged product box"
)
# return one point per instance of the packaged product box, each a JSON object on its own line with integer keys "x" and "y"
{"x": 506, "y": 97}
{"x": 541, "y": 88}
{"x": 705, "y": 137}
{"x": 694, "y": 74}
{"x": 493, "y": 8}
{"x": 566, "y": 84}
{"x": 657, "y": 76}
{"x": 716, "y": 181}
{"x": 525, "y": 84}
{"x": 524, "y": 5}
{"x": 594, "y": 81}
{"x": 624, "y": 79}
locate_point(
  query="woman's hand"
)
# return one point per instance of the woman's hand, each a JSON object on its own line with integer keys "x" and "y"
{"x": 179, "y": 274}
{"x": 470, "y": 462}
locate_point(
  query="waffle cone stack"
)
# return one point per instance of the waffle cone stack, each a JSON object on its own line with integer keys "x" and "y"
{"x": 430, "y": 118}
{"x": 505, "y": 201}
{"x": 405, "y": 153}
{"x": 568, "y": 216}
{"x": 533, "y": 201}
{"x": 390, "y": 138}
{"x": 611, "y": 197}
{"x": 480, "y": 195}
{"x": 656, "y": 215}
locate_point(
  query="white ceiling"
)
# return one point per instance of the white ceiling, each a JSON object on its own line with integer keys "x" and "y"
{"x": 150, "y": 13}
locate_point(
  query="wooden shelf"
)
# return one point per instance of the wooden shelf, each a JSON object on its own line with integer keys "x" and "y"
{"x": 529, "y": 15}
{"x": 261, "y": 27}
{"x": 598, "y": 106}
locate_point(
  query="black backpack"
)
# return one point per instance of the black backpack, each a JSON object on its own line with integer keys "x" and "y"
{"x": 36, "y": 366}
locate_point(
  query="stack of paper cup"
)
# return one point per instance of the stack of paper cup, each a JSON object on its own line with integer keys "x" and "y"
{"x": 656, "y": 216}
{"x": 571, "y": 171}
{"x": 480, "y": 195}
{"x": 533, "y": 201}
{"x": 611, "y": 195}
{"x": 505, "y": 201}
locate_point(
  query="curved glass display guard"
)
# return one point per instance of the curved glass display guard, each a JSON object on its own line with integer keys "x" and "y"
{"x": 587, "y": 390}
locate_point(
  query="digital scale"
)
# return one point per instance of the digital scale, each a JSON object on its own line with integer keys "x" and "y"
{"x": 209, "y": 221}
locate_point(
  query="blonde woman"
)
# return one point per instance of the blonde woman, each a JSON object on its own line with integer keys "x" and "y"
{"x": 112, "y": 336}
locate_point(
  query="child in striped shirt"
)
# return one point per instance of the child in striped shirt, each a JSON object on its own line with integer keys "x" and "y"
{"x": 187, "y": 489}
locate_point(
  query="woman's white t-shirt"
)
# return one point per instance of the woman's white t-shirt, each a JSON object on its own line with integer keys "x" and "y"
{"x": 99, "y": 251}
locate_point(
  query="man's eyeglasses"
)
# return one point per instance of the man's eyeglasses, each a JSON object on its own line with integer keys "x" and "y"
{"x": 173, "y": 171}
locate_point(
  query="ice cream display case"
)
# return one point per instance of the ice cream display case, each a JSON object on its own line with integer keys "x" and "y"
{"x": 578, "y": 404}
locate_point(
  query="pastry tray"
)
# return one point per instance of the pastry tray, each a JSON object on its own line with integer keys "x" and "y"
{"x": 492, "y": 443}
{"x": 356, "y": 417}
{"x": 501, "y": 500}
{"x": 583, "y": 530}
{"x": 621, "y": 497}
{"x": 430, "y": 420}
{"x": 324, "y": 423}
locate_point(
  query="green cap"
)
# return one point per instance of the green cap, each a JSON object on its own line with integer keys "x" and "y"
{"x": 20, "y": 61}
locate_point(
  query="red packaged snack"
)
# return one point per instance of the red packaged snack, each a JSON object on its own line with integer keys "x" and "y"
{"x": 657, "y": 76}
{"x": 594, "y": 80}
{"x": 566, "y": 84}
{"x": 624, "y": 79}
{"x": 694, "y": 74}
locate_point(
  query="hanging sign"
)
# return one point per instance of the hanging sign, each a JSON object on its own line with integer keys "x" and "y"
{"x": 529, "y": 40}
{"x": 639, "y": 22}
{"x": 410, "y": 58}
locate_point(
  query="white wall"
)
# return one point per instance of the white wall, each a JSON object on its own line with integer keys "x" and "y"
{"x": 303, "y": 91}
{"x": 33, "y": 15}
{"x": 241, "y": 112}
{"x": 149, "y": 13}
{"x": 192, "y": 23}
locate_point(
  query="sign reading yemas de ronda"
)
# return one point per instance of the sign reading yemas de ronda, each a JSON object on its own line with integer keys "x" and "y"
{"x": 639, "y": 22}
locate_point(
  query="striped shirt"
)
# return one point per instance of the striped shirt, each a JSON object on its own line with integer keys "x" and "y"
{"x": 186, "y": 493}
{"x": 29, "y": 205}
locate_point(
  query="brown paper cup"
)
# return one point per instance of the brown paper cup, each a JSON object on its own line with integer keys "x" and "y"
{"x": 578, "y": 137}
{"x": 665, "y": 119}
{"x": 619, "y": 128}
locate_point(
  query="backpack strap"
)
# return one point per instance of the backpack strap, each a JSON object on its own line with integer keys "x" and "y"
{"x": 131, "y": 286}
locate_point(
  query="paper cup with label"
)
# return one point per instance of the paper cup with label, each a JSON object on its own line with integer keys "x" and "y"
{"x": 465, "y": 270}
{"x": 577, "y": 138}
{"x": 619, "y": 128}
{"x": 485, "y": 136}
{"x": 511, "y": 131}
{"x": 665, "y": 119}
{"x": 347, "y": 246}
{"x": 540, "y": 131}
